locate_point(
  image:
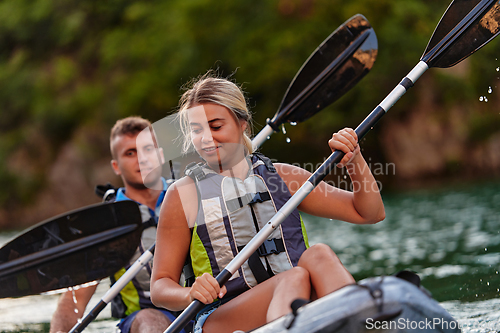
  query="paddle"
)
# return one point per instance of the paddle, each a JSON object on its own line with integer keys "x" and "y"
{"x": 343, "y": 59}
{"x": 73, "y": 248}
{"x": 338, "y": 63}
{"x": 466, "y": 26}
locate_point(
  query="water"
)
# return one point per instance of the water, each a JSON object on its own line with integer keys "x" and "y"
{"x": 451, "y": 238}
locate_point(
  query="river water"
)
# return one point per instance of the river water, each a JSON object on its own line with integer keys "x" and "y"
{"x": 450, "y": 237}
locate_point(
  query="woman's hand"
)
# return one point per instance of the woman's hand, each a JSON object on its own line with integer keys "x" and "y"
{"x": 206, "y": 289}
{"x": 346, "y": 141}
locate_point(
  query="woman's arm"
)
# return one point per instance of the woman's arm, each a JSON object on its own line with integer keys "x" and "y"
{"x": 173, "y": 237}
{"x": 362, "y": 205}
{"x": 172, "y": 247}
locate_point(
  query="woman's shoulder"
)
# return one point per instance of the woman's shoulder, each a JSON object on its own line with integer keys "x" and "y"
{"x": 183, "y": 196}
{"x": 185, "y": 184}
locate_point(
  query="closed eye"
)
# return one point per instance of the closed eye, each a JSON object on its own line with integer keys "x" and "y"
{"x": 196, "y": 130}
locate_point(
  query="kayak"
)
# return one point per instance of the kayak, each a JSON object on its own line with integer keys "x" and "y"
{"x": 381, "y": 304}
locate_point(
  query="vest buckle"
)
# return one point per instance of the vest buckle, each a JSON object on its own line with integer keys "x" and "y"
{"x": 269, "y": 247}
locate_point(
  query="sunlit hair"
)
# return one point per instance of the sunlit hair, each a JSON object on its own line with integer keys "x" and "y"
{"x": 127, "y": 126}
{"x": 215, "y": 90}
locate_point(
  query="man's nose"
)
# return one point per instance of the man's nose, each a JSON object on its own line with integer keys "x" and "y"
{"x": 142, "y": 158}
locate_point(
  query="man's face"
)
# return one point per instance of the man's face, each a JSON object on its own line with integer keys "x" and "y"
{"x": 137, "y": 160}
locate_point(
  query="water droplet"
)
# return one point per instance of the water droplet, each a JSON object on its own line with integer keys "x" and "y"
{"x": 345, "y": 176}
{"x": 487, "y": 283}
{"x": 498, "y": 69}
{"x": 476, "y": 295}
{"x": 490, "y": 90}
{"x": 268, "y": 137}
{"x": 288, "y": 140}
{"x": 485, "y": 99}
{"x": 74, "y": 298}
{"x": 293, "y": 123}
{"x": 283, "y": 128}
{"x": 486, "y": 249}
{"x": 481, "y": 98}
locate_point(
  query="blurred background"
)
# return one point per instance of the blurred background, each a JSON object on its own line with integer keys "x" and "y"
{"x": 69, "y": 69}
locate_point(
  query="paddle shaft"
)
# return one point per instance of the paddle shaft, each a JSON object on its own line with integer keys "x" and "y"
{"x": 115, "y": 289}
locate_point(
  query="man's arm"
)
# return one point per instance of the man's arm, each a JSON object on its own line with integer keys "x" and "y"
{"x": 65, "y": 316}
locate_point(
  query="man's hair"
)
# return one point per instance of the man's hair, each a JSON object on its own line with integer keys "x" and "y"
{"x": 127, "y": 126}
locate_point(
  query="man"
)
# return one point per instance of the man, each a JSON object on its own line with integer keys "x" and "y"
{"x": 137, "y": 161}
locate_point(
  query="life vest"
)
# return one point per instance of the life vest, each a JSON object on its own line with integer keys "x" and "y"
{"x": 231, "y": 211}
{"x": 136, "y": 294}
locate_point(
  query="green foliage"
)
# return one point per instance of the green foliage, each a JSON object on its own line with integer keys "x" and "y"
{"x": 64, "y": 63}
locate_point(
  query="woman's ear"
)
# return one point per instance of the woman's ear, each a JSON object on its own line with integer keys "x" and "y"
{"x": 244, "y": 125}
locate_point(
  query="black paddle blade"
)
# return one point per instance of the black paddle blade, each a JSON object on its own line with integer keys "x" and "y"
{"x": 345, "y": 57}
{"x": 75, "y": 248}
{"x": 466, "y": 26}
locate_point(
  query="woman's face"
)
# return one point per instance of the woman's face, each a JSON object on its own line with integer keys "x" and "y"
{"x": 217, "y": 135}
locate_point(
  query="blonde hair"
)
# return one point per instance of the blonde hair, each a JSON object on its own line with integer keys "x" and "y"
{"x": 215, "y": 90}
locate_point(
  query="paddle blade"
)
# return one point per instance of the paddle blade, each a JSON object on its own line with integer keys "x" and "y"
{"x": 466, "y": 26}
{"x": 345, "y": 57}
{"x": 75, "y": 248}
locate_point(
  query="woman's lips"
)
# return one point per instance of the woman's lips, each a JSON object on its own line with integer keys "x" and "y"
{"x": 210, "y": 150}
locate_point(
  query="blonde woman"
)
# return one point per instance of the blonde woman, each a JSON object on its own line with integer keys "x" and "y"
{"x": 214, "y": 211}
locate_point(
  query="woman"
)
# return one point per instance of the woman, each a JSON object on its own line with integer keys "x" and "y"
{"x": 215, "y": 211}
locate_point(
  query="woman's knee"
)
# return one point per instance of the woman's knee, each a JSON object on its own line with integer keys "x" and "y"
{"x": 295, "y": 283}
{"x": 318, "y": 254}
{"x": 299, "y": 274}
{"x": 148, "y": 319}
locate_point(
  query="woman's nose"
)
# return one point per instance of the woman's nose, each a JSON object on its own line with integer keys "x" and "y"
{"x": 207, "y": 137}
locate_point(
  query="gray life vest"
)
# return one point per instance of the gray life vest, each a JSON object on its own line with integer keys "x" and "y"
{"x": 231, "y": 211}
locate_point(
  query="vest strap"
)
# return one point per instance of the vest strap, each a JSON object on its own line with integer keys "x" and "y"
{"x": 247, "y": 199}
{"x": 267, "y": 162}
{"x": 149, "y": 223}
{"x": 259, "y": 271}
{"x": 270, "y": 246}
{"x": 194, "y": 171}
{"x": 189, "y": 277}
